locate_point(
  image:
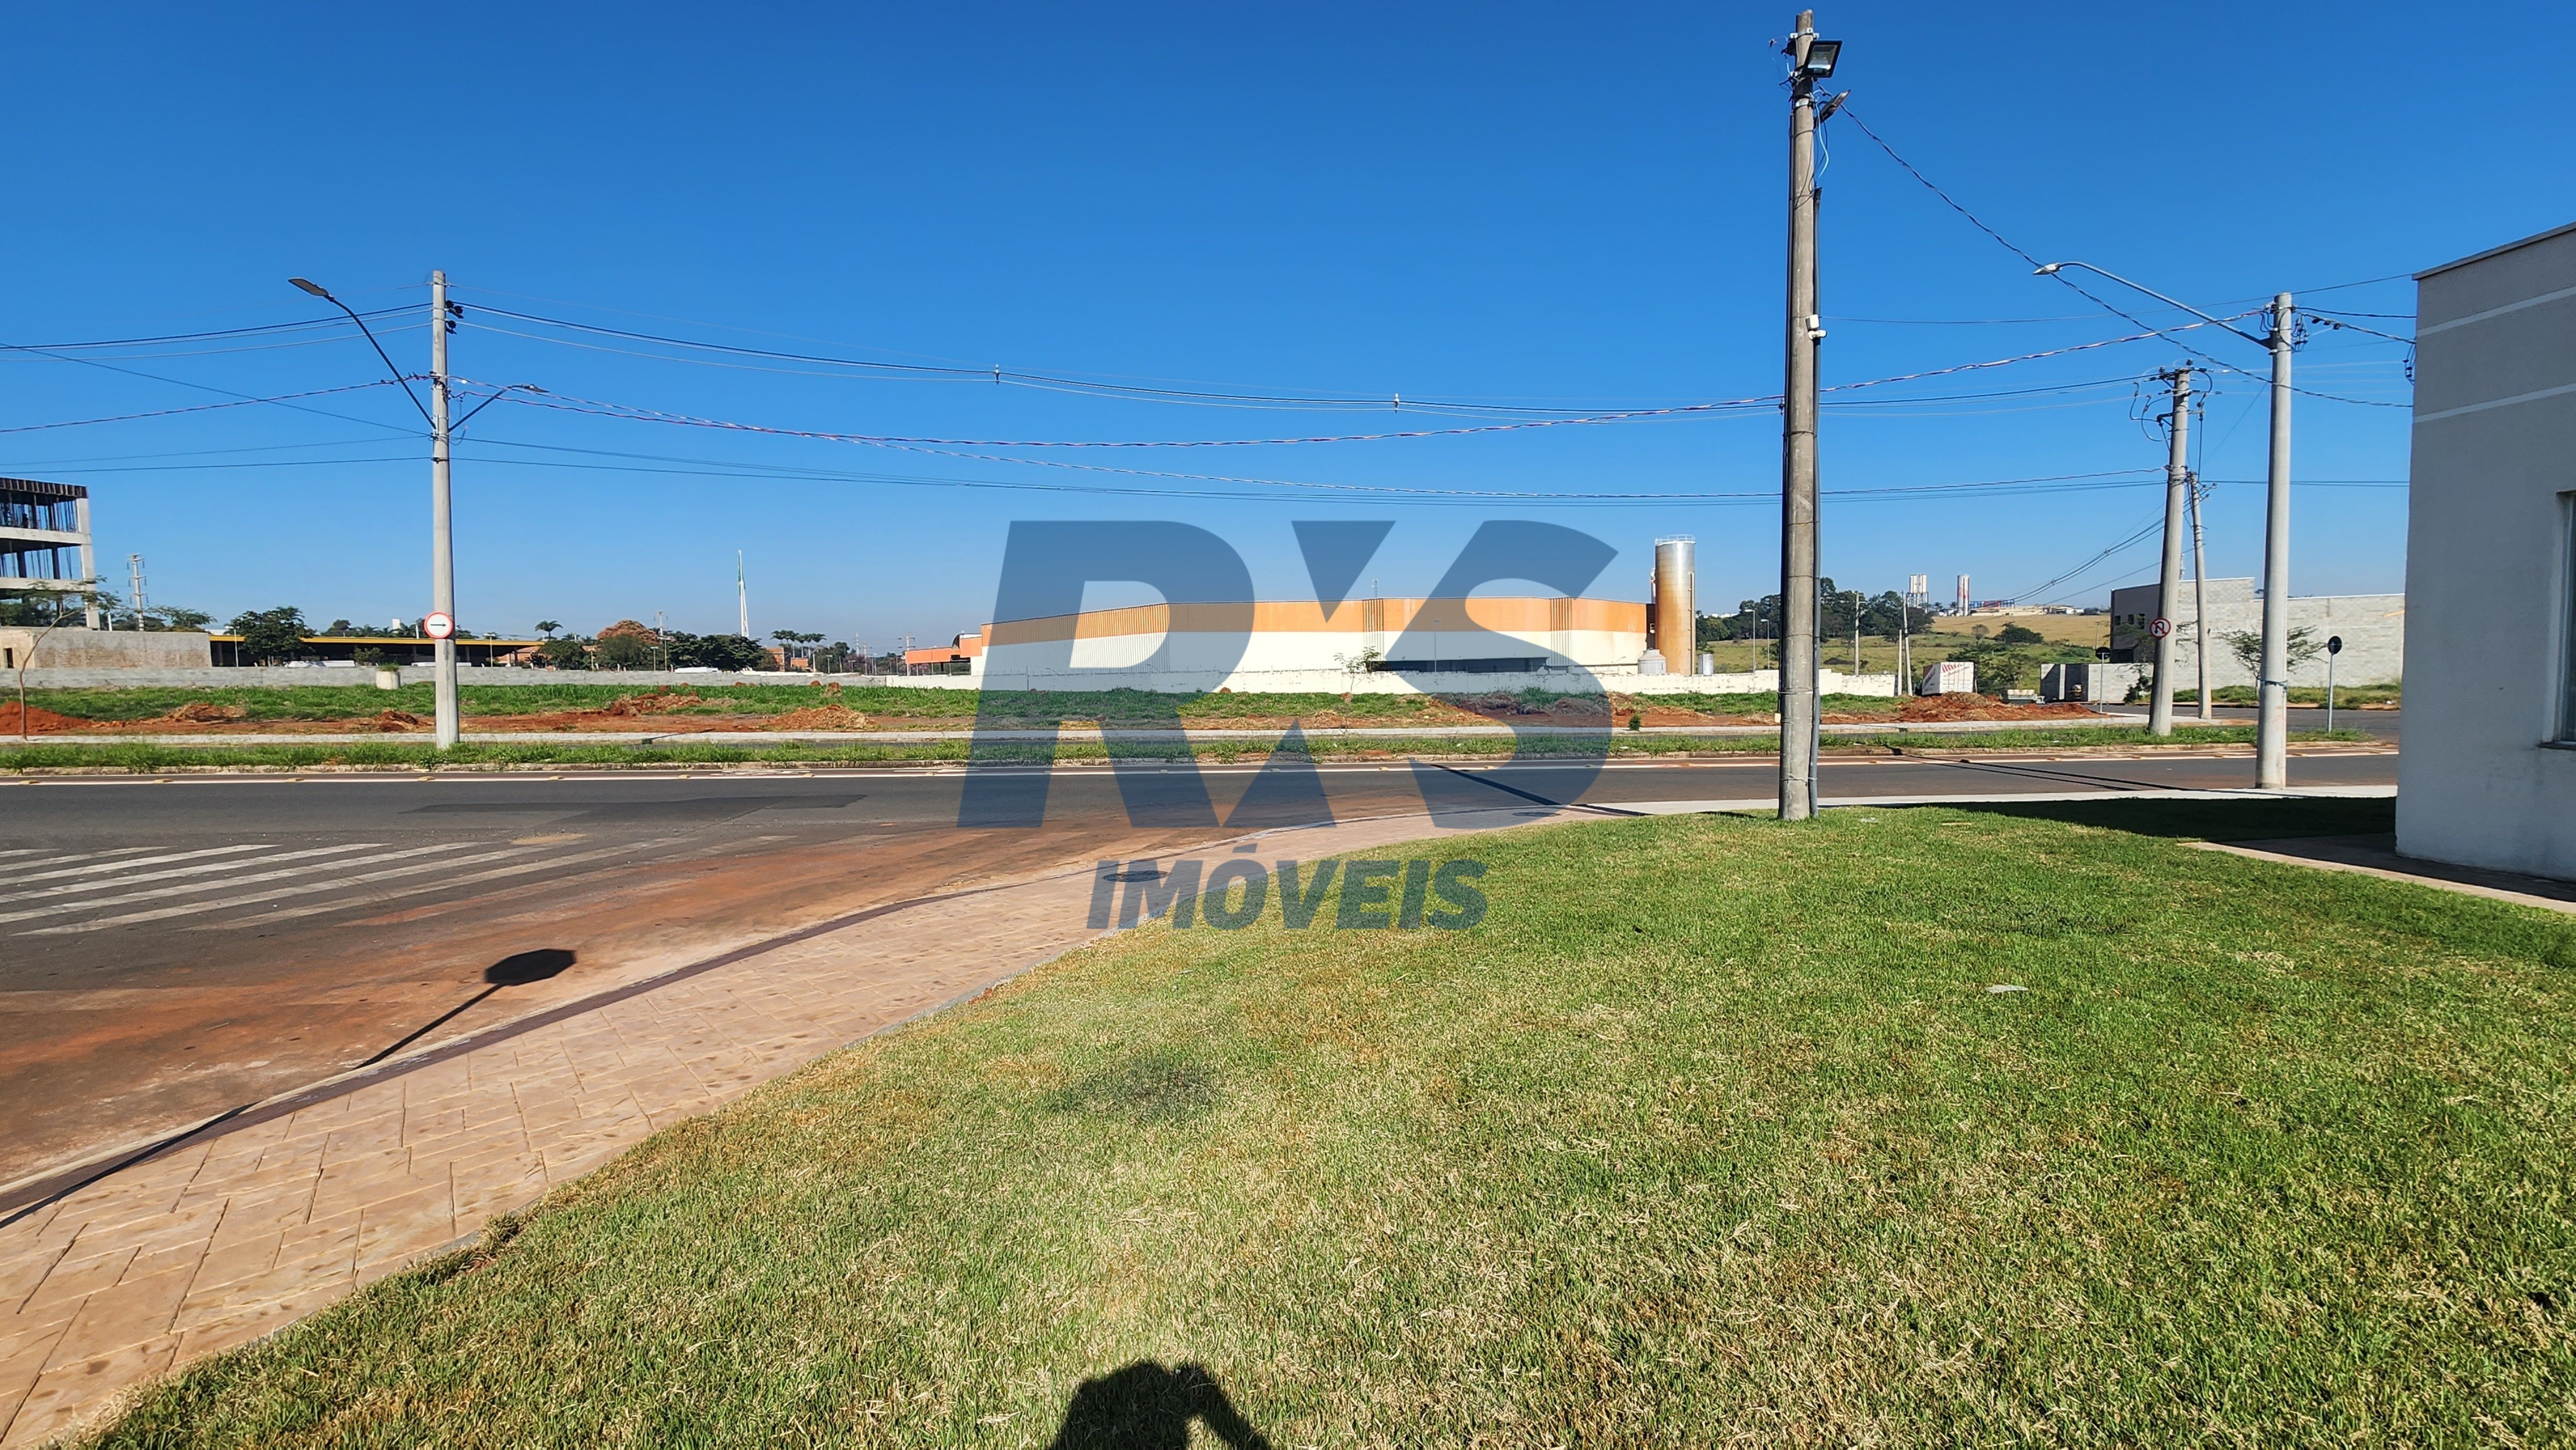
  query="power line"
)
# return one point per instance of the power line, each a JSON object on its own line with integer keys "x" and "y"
{"x": 264, "y": 329}
{"x": 2079, "y": 570}
{"x": 286, "y": 399}
{"x": 2047, "y": 483}
{"x": 560, "y": 402}
{"x": 2078, "y": 288}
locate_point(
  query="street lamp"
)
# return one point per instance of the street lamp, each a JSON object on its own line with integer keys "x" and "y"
{"x": 442, "y": 532}
{"x": 2272, "y": 729}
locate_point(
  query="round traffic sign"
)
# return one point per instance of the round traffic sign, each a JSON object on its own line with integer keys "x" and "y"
{"x": 438, "y": 625}
{"x": 2334, "y": 644}
{"x": 2160, "y": 628}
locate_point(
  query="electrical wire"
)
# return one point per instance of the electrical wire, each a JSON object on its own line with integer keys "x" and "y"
{"x": 2078, "y": 288}
{"x": 561, "y": 402}
{"x": 218, "y": 334}
{"x": 2046, "y": 483}
{"x": 286, "y": 399}
{"x": 2088, "y": 565}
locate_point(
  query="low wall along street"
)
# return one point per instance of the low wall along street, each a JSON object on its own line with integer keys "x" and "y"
{"x": 2371, "y": 626}
{"x": 1300, "y": 682}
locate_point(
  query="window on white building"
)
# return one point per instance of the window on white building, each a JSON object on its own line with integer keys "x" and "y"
{"x": 2567, "y": 618}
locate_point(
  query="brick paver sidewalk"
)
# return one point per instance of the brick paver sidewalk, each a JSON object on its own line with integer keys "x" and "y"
{"x": 243, "y": 1231}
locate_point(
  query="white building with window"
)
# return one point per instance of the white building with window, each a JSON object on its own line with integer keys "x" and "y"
{"x": 2488, "y": 775}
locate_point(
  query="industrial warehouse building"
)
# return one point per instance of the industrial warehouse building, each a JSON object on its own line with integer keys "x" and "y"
{"x": 1301, "y": 645}
{"x": 2488, "y": 777}
{"x": 1481, "y": 643}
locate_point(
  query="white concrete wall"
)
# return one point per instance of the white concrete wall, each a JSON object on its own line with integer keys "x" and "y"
{"x": 1334, "y": 682}
{"x": 2481, "y": 781}
{"x": 1191, "y": 654}
{"x": 2372, "y": 626}
{"x": 103, "y": 649}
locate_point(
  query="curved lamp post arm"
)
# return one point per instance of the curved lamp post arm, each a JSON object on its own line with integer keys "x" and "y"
{"x": 496, "y": 397}
{"x": 2053, "y": 268}
{"x": 395, "y": 373}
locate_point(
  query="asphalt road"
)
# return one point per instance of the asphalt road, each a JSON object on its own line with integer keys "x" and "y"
{"x": 170, "y": 949}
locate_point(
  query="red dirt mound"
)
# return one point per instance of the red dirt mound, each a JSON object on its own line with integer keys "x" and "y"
{"x": 395, "y": 721}
{"x": 39, "y": 720}
{"x": 634, "y": 705}
{"x": 818, "y": 717}
{"x": 204, "y": 712}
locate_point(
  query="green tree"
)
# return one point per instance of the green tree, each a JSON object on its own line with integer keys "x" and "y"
{"x": 2247, "y": 646}
{"x": 623, "y": 652}
{"x": 714, "y": 651}
{"x": 173, "y": 617}
{"x": 547, "y": 627}
{"x": 2021, "y": 634}
{"x": 565, "y": 652}
{"x": 270, "y": 635}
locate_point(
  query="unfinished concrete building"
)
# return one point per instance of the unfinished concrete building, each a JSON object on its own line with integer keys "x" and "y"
{"x": 44, "y": 541}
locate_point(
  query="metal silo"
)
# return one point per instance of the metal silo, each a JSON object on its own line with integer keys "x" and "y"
{"x": 1672, "y": 616}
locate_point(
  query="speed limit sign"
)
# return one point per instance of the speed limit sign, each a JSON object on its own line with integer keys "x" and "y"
{"x": 2160, "y": 628}
{"x": 438, "y": 625}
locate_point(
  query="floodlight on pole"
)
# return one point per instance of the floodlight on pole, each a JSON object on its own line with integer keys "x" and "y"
{"x": 1821, "y": 55}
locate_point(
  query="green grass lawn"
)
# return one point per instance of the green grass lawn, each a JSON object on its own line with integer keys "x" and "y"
{"x": 145, "y": 757}
{"x": 2350, "y": 697}
{"x": 1710, "y": 1132}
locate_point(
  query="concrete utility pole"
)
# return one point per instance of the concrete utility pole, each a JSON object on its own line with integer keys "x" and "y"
{"x": 1810, "y": 60}
{"x": 742, "y": 596}
{"x": 2169, "y": 583}
{"x": 2272, "y": 732}
{"x": 2200, "y": 602}
{"x": 134, "y": 574}
{"x": 442, "y": 519}
{"x": 2271, "y": 738}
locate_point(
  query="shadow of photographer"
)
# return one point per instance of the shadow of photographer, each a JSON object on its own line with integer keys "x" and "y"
{"x": 1146, "y": 1406}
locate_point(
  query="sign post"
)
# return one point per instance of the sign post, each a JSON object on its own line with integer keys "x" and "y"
{"x": 2334, "y": 646}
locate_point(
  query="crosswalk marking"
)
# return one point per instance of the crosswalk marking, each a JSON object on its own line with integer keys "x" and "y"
{"x": 157, "y": 892}
{"x": 65, "y": 858}
{"x": 67, "y": 888}
{"x": 373, "y": 898}
{"x": 122, "y": 866}
{"x": 304, "y": 888}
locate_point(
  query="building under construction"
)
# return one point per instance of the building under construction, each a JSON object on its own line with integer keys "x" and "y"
{"x": 44, "y": 541}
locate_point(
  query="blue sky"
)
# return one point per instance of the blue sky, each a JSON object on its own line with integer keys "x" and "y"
{"x": 1518, "y": 207}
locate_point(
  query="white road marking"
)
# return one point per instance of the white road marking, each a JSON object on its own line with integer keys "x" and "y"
{"x": 376, "y": 897}
{"x": 305, "y": 888}
{"x": 65, "y": 860}
{"x": 128, "y": 863}
{"x": 65, "y": 888}
{"x": 157, "y": 892}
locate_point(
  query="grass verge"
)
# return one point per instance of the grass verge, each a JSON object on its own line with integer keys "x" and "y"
{"x": 1711, "y": 1131}
{"x": 146, "y": 758}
